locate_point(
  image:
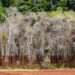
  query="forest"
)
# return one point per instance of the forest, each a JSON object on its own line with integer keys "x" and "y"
{"x": 37, "y": 32}
{"x": 36, "y": 5}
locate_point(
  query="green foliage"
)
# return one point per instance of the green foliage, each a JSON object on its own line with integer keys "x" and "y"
{"x": 37, "y": 6}
{"x": 7, "y": 3}
{"x": 2, "y": 11}
{"x": 70, "y": 15}
{"x": 3, "y": 37}
{"x": 71, "y": 4}
{"x": 55, "y": 13}
{"x": 20, "y": 69}
{"x": 53, "y": 66}
{"x": 62, "y": 4}
{"x": 31, "y": 5}
{"x": 62, "y": 66}
{"x": 45, "y": 5}
{"x": 59, "y": 9}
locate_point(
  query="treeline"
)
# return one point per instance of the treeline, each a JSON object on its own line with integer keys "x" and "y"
{"x": 36, "y": 5}
{"x": 39, "y": 5}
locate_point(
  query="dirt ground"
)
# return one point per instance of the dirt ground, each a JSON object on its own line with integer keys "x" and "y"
{"x": 51, "y": 72}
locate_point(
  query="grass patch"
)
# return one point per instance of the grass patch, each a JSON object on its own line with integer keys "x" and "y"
{"x": 19, "y": 69}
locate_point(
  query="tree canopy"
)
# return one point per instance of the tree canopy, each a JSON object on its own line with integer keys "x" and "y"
{"x": 36, "y": 5}
{"x": 39, "y": 5}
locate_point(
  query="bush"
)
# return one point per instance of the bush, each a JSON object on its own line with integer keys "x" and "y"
{"x": 2, "y": 12}
{"x": 4, "y": 37}
{"x": 54, "y": 13}
{"x": 59, "y": 9}
{"x": 53, "y": 66}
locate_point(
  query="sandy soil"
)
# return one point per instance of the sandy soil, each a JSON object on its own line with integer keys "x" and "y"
{"x": 52, "y": 72}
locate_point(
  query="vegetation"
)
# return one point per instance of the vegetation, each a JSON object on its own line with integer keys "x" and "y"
{"x": 21, "y": 34}
{"x": 3, "y": 37}
{"x": 36, "y": 6}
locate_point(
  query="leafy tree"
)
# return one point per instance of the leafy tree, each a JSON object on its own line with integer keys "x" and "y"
{"x": 71, "y": 4}
{"x": 2, "y": 11}
{"x": 38, "y": 5}
{"x": 7, "y": 3}
{"x": 33, "y": 5}
{"x": 24, "y": 6}
{"x": 63, "y": 4}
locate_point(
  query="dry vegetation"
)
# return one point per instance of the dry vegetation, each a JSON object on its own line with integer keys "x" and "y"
{"x": 36, "y": 38}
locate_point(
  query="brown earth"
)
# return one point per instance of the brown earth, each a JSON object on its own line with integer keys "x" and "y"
{"x": 51, "y": 72}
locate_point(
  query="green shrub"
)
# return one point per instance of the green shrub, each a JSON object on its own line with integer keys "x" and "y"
{"x": 54, "y": 13}
{"x": 62, "y": 66}
{"x": 59, "y": 9}
{"x": 3, "y": 37}
{"x": 53, "y": 66}
{"x": 2, "y": 12}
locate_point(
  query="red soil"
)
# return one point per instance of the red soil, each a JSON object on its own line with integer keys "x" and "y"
{"x": 52, "y": 72}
